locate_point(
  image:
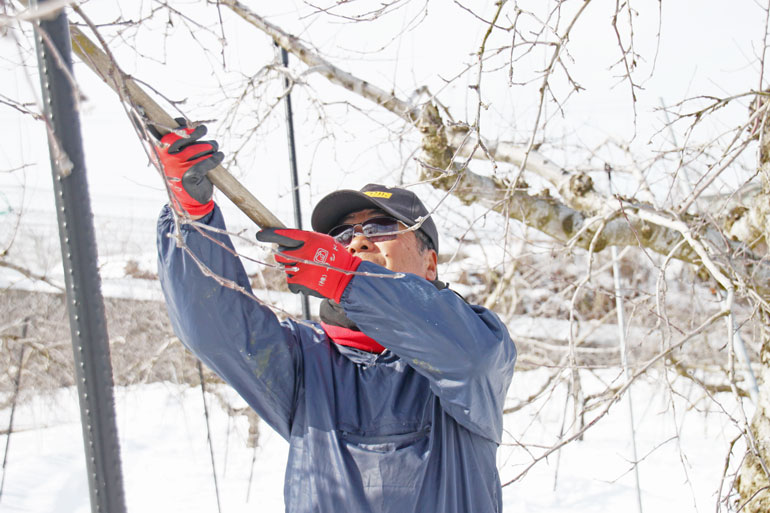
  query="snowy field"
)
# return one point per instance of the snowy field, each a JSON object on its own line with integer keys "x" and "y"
{"x": 682, "y": 440}
{"x": 167, "y": 465}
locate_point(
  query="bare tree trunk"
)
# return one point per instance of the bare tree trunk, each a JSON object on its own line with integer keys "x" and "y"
{"x": 753, "y": 483}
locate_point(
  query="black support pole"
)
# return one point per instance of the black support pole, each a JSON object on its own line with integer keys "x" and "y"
{"x": 85, "y": 305}
{"x": 293, "y": 165}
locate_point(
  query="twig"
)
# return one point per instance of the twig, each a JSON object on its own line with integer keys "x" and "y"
{"x": 208, "y": 434}
{"x": 16, "y": 386}
{"x": 31, "y": 275}
{"x": 617, "y": 395}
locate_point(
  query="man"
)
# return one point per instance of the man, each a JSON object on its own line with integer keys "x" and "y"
{"x": 394, "y": 403}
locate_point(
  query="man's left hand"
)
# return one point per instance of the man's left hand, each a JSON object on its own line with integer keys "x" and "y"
{"x": 186, "y": 160}
{"x": 325, "y": 280}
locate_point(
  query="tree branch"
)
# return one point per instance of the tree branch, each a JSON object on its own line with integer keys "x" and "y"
{"x": 320, "y": 65}
{"x": 626, "y": 225}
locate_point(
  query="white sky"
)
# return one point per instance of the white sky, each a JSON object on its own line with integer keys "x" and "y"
{"x": 704, "y": 48}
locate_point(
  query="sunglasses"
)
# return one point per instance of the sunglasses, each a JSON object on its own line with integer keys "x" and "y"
{"x": 376, "y": 229}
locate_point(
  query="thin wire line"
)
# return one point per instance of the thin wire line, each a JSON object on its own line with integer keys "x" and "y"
{"x": 208, "y": 435}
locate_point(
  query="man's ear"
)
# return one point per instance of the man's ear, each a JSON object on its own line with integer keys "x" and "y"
{"x": 431, "y": 264}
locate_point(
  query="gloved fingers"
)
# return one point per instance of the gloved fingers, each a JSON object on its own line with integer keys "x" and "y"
{"x": 161, "y": 131}
{"x": 207, "y": 162}
{"x": 284, "y": 239}
{"x": 284, "y": 260}
{"x": 179, "y": 144}
{"x": 153, "y": 130}
{"x": 198, "y": 150}
{"x": 179, "y": 138}
{"x": 296, "y": 289}
{"x": 196, "y": 184}
{"x": 212, "y": 145}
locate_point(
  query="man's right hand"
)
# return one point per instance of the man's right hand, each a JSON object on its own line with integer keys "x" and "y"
{"x": 186, "y": 161}
{"x": 327, "y": 277}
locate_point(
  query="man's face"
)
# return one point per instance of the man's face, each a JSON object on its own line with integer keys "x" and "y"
{"x": 401, "y": 254}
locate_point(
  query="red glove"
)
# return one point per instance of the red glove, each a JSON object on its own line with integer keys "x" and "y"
{"x": 185, "y": 162}
{"x": 316, "y": 280}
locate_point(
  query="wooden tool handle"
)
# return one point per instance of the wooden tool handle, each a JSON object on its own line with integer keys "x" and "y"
{"x": 131, "y": 92}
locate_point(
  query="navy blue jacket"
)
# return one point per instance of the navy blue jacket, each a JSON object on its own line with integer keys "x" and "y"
{"x": 414, "y": 429}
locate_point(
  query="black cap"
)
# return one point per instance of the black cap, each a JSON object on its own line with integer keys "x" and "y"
{"x": 402, "y": 204}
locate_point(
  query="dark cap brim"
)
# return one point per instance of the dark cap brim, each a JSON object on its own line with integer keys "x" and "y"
{"x": 333, "y": 208}
{"x": 399, "y": 203}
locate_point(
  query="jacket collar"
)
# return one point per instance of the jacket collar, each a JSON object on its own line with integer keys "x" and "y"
{"x": 352, "y": 338}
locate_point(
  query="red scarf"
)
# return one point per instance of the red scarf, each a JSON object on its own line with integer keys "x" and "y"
{"x": 352, "y": 338}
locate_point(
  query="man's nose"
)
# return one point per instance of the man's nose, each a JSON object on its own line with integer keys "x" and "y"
{"x": 359, "y": 243}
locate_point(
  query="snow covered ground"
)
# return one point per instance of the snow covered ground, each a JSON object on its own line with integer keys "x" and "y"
{"x": 682, "y": 440}
{"x": 167, "y": 466}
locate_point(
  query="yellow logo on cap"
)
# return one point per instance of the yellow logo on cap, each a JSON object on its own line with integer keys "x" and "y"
{"x": 379, "y": 194}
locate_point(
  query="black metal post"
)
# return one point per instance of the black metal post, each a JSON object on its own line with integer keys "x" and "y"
{"x": 88, "y": 326}
{"x": 293, "y": 165}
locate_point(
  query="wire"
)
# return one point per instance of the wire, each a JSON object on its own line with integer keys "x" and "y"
{"x": 208, "y": 435}
{"x": 16, "y": 387}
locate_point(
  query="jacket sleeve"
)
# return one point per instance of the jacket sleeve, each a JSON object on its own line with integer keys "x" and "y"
{"x": 239, "y": 339}
{"x": 464, "y": 350}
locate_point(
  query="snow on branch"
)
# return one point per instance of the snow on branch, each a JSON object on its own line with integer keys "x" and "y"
{"x": 571, "y": 187}
{"x": 580, "y": 216}
{"x": 628, "y": 224}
